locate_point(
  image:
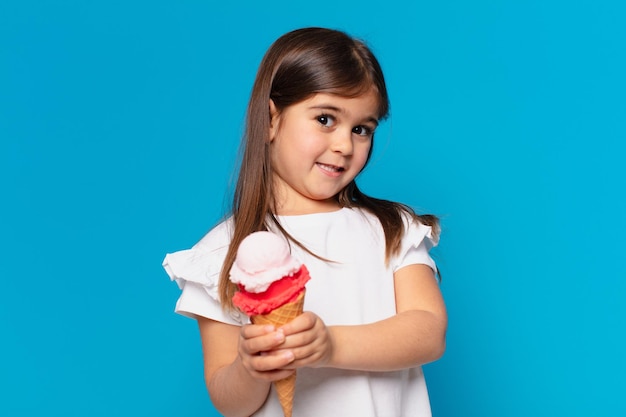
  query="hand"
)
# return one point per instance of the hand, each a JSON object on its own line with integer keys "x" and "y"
{"x": 310, "y": 341}
{"x": 259, "y": 353}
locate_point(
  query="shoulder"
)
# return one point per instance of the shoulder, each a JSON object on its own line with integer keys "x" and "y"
{"x": 361, "y": 215}
{"x": 416, "y": 238}
{"x": 365, "y": 217}
{"x": 203, "y": 262}
{"x": 196, "y": 271}
{"x": 417, "y": 241}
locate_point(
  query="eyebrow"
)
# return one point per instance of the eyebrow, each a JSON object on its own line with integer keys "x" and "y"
{"x": 341, "y": 111}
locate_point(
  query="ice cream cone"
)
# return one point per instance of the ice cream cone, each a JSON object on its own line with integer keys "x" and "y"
{"x": 285, "y": 388}
{"x": 271, "y": 291}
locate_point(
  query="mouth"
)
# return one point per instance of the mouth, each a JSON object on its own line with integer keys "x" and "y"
{"x": 333, "y": 169}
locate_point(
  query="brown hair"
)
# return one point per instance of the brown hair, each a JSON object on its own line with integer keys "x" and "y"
{"x": 298, "y": 65}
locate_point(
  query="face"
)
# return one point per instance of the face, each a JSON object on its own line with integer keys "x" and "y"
{"x": 318, "y": 146}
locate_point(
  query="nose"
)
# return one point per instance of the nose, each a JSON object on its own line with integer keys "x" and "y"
{"x": 342, "y": 142}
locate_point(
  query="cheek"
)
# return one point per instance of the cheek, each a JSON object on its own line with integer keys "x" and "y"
{"x": 296, "y": 138}
{"x": 362, "y": 154}
{"x": 307, "y": 144}
{"x": 292, "y": 152}
{"x": 310, "y": 148}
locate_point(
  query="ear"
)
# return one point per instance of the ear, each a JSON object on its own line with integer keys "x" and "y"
{"x": 274, "y": 120}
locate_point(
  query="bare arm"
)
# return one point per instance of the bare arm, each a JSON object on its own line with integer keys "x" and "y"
{"x": 237, "y": 376}
{"x": 414, "y": 336}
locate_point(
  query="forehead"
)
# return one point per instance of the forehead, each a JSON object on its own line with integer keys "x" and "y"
{"x": 363, "y": 105}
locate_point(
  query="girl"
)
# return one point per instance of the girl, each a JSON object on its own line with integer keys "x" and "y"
{"x": 374, "y": 309}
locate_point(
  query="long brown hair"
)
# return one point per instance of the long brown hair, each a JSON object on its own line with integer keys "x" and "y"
{"x": 298, "y": 65}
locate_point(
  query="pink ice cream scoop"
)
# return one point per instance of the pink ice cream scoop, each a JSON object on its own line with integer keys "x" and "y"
{"x": 267, "y": 275}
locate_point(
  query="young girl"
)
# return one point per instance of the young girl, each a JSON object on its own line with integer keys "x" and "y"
{"x": 374, "y": 311}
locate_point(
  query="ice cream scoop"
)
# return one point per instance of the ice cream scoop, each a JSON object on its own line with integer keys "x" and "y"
{"x": 266, "y": 273}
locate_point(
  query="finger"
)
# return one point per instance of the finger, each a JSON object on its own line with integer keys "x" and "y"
{"x": 309, "y": 348}
{"x": 305, "y": 321}
{"x": 304, "y": 337}
{"x": 314, "y": 335}
{"x": 305, "y": 358}
{"x": 255, "y": 330}
{"x": 262, "y": 343}
{"x": 271, "y": 361}
{"x": 304, "y": 352}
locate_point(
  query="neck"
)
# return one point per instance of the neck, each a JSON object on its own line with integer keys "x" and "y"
{"x": 311, "y": 207}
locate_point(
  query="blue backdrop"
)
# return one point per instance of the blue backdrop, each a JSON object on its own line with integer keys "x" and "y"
{"x": 119, "y": 124}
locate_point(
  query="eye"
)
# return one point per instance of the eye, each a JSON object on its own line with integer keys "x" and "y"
{"x": 363, "y": 131}
{"x": 326, "y": 120}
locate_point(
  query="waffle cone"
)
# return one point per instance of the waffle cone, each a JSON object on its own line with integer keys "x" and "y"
{"x": 285, "y": 388}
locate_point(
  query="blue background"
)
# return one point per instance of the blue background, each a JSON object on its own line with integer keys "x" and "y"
{"x": 119, "y": 124}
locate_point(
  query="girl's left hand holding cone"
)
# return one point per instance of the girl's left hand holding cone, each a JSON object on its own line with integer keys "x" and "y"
{"x": 310, "y": 340}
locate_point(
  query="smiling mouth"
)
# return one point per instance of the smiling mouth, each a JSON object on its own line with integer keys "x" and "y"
{"x": 330, "y": 168}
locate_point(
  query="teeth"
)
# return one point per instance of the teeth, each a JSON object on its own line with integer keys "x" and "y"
{"x": 330, "y": 168}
